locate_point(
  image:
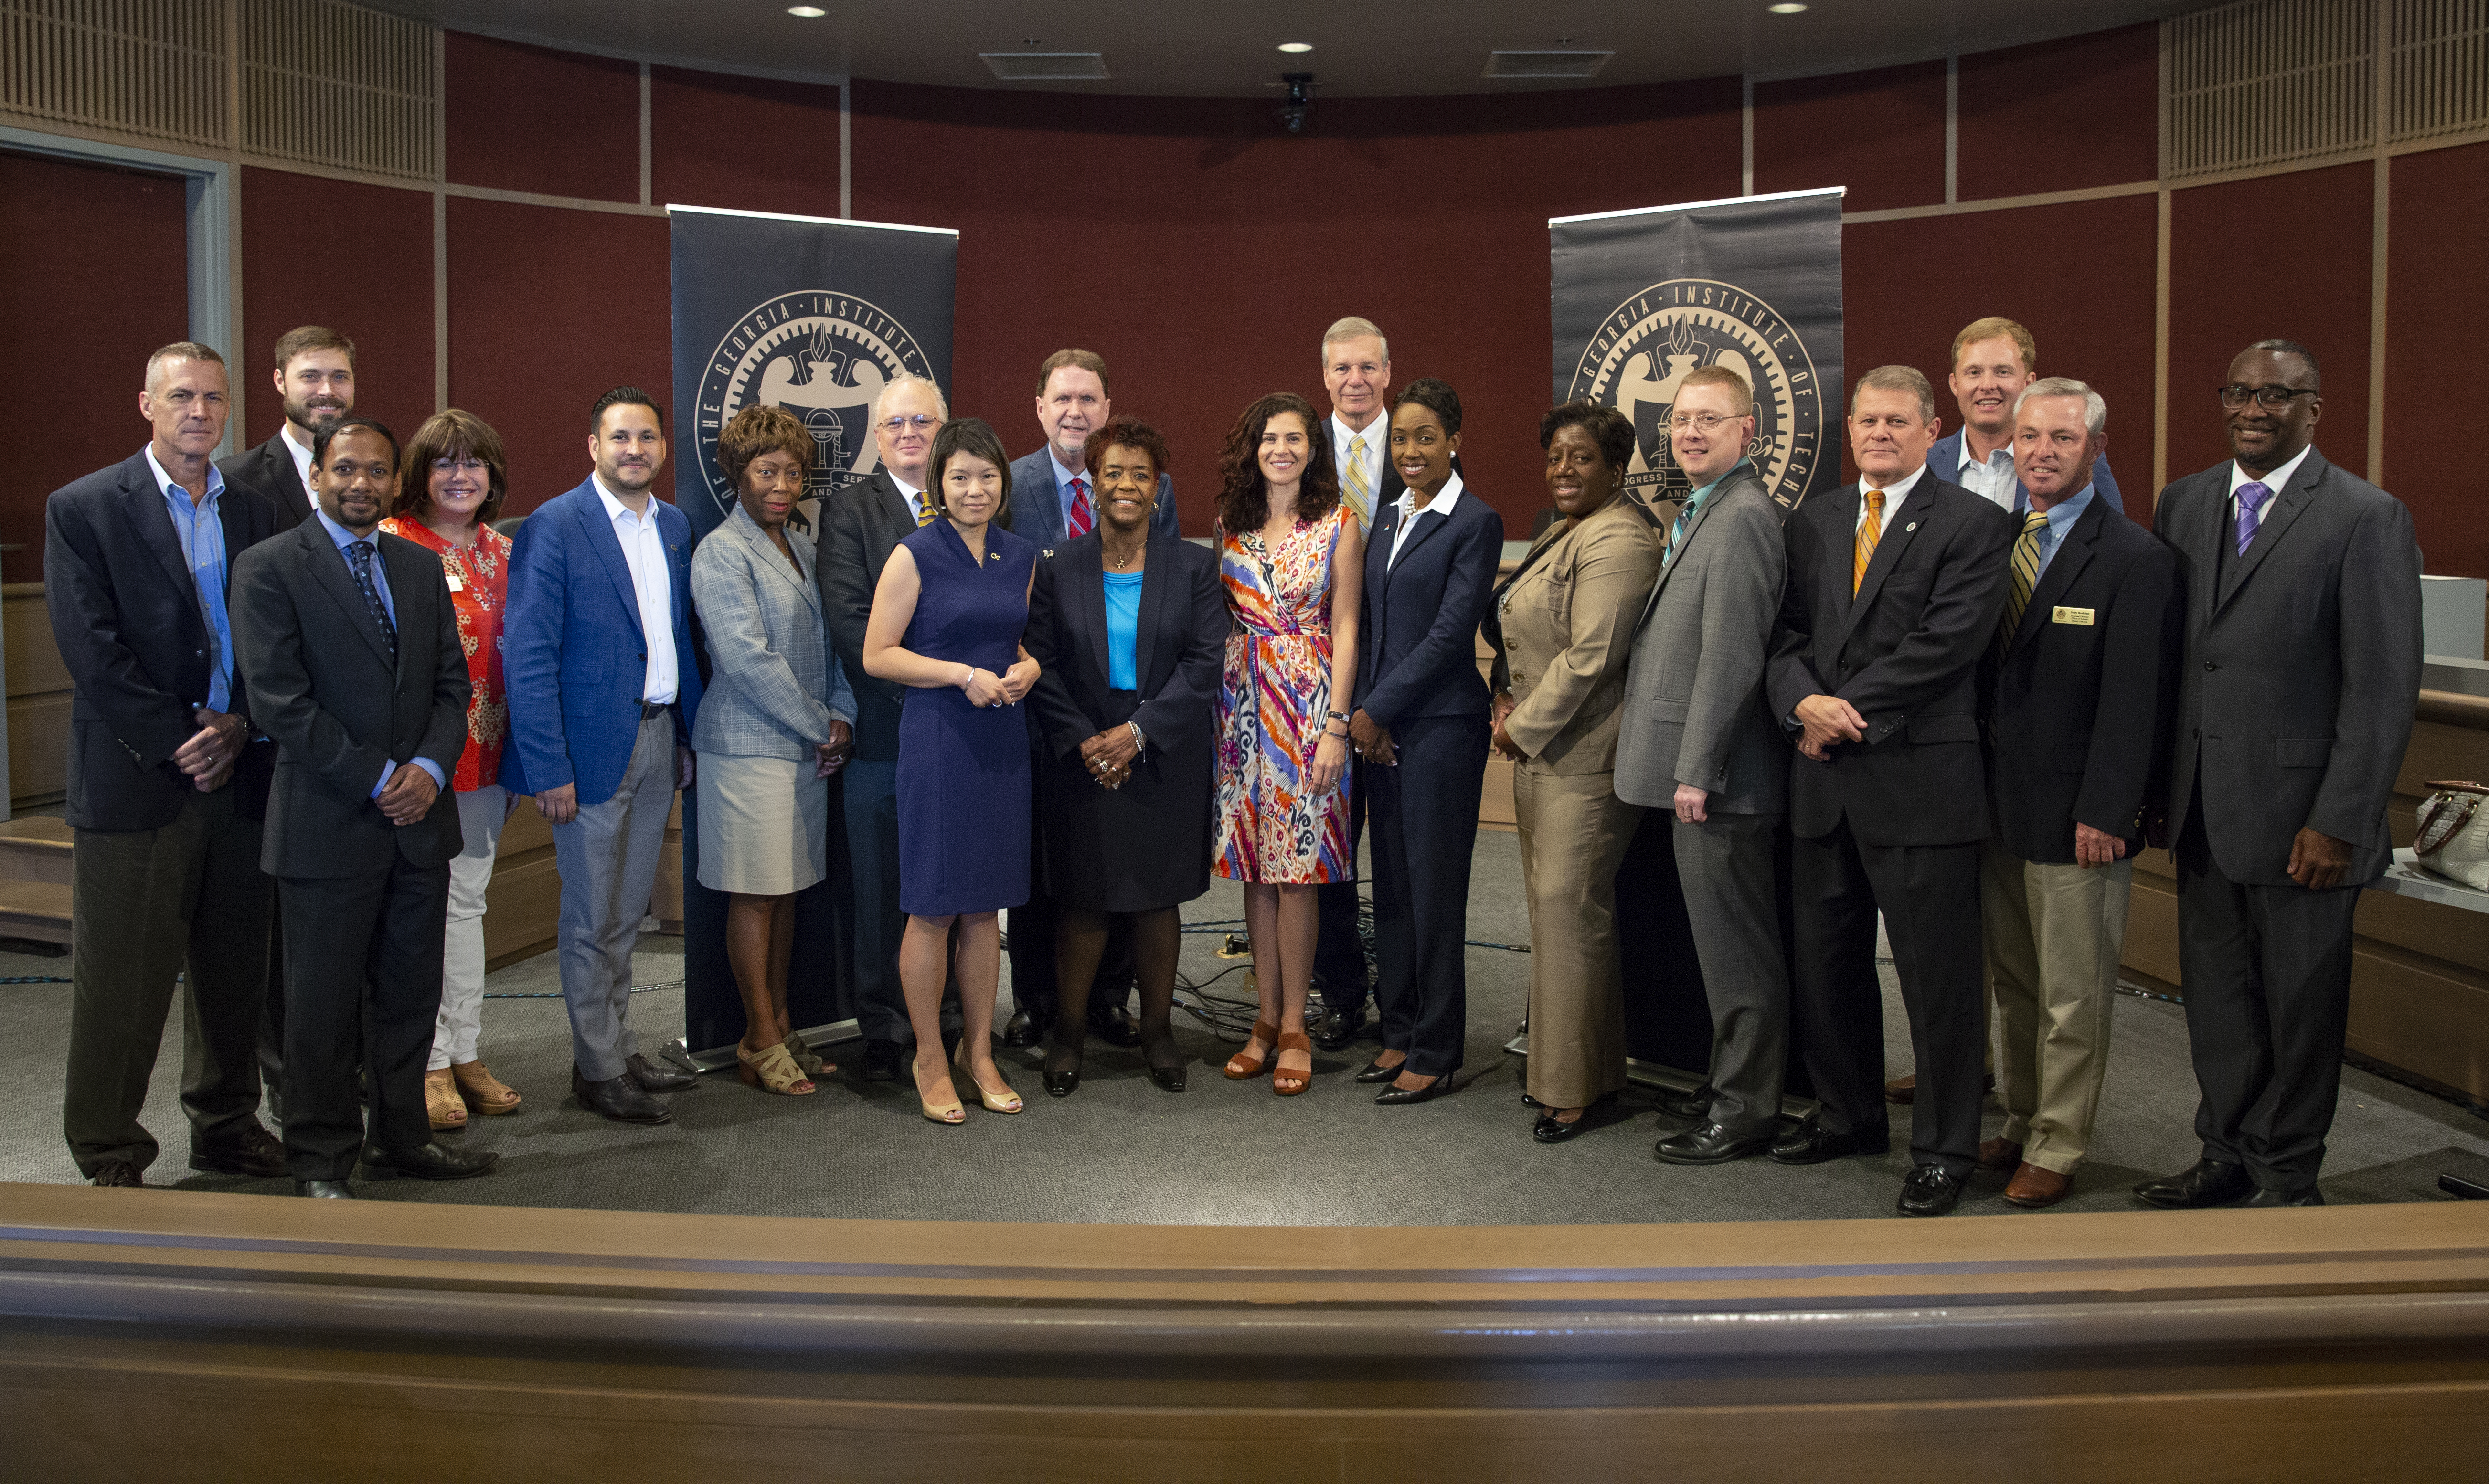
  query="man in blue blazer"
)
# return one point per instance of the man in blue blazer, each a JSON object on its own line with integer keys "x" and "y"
{"x": 1992, "y": 360}
{"x": 1052, "y": 501}
{"x": 596, "y": 648}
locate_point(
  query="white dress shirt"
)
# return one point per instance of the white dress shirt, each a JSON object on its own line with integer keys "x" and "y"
{"x": 1406, "y": 504}
{"x": 1894, "y": 494}
{"x": 1376, "y": 434}
{"x": 302, "y": 457}
{"x": 652, "y": 582}
{"x": 2276, "y": 481}
{"x": 914, "y": 496}
{"x": 1993, "y": 480}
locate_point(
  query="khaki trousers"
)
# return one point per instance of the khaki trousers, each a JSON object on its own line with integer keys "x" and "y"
{"x": 2053, "y": 936}
{"x": 1574, "y": 831}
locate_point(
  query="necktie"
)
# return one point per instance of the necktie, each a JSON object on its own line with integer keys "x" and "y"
{"x": 1360, "y": 492}
{"x": 1869, "y": 532}
{"x": 361, "y": 554}
{"x": 1676, "y": 533}
{"x": 2251, "y": 497}
{"x": 924, "y": 513}
{"x": 1082, "y": 518}
{"x": 2026, "y": 574}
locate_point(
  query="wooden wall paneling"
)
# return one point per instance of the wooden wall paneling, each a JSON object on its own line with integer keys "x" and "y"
{"x": 39, "y": 700}
{"x": 2060, "y": 115}
{"x": 748, "y": 143}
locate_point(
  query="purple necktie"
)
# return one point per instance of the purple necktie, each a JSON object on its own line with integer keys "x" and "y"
{"x": 2251, "y": 497}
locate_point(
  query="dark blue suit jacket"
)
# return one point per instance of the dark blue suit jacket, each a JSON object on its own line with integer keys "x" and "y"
{"x": 572, "y": 656}
{"x": 1416, "y": 649}
{"x": 1944, "y": 459}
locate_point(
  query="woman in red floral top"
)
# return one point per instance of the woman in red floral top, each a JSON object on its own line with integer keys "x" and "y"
{"x": 453, "y": 486}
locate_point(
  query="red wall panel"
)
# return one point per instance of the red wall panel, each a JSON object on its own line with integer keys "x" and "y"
{"x": 1882, "y": 134}
{"x": 96, "y": 278}
{"x": 2079, "y": 275}
{"x": 354, "y": 258}
{"x": 554, "y": 123}
{"x": 743, "y": 142}
{"x": 2062, "y": 115}
{"x": 549, "y": 309}
{"x": 2283, "y": 257}
{"x": 2437, "y": 313}
{"x": 1203, "y": 253}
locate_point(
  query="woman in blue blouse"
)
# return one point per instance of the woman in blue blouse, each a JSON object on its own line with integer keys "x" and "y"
{"x": 1128, "y": 630}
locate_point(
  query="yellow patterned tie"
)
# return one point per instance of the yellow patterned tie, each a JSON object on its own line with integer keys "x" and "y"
{"x": 1360, "y": 494}
{"x": 2027, "y": 573}
{"x": 924, "y": 515}
{"x": 1869, "y": 532}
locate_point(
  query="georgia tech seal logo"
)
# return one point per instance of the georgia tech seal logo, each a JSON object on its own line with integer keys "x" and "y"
{"x": 1646, "y": 345}
{"x": 822, "y": 356}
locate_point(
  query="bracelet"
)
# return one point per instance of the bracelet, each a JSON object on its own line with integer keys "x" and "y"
{"x": 968, "y": 680}
{"x": 1139, "y": 741}
{"x": 1340, "y": 717}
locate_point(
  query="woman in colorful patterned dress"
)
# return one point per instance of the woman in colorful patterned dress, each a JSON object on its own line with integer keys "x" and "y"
{"x": 1291, "y": 557}
{"x": 453, "y": 486}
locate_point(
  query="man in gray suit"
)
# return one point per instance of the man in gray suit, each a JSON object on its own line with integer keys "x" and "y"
{"x": 1700, "y": 741}
{"x": 2301, "y": 669}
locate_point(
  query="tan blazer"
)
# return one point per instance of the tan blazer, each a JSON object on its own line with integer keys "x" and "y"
{"x": 1562, "y": 629}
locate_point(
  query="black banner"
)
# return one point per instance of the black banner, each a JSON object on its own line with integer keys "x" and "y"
{"x": 815, "y": 316}
{"x": 1641, "y": 297}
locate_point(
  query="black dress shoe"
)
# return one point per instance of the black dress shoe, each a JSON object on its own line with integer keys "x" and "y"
{"x": 2308, "y": 1196}
{"x": 2205, "y": 1183}
{"x": 1930, "y": 1190}
{"x": 434, "y": 1160}
{"x": 618, "y": 1099}
{"x": 1115, "y": 1026}
{"x": 1551, "y": 1129}
{"x": 884, "y": 1061}
{"x": 1375, "y": 1072}
{"x": 1396, "y": 1097}
{"x": 1811, "y": 1143}
{"x": 325, "y": 1190}
{"x": 1061, "y": 1084}
{"x": 653, "y": 1078}
{"x": 1696, "y": 1104}
{"x": 1710, "y": 1144}
{"x": 1019, "y": 1030}
{"x": 117, "y": 1173}
{"x": 1339, "y": 1029}
{"x": 254, "y": 1152}
{"x": 1169, "y": 1078}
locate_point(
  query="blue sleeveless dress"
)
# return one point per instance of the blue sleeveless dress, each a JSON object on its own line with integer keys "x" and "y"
{"x": 963, "y": 772}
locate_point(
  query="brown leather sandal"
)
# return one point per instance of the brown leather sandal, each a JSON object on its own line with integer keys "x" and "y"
{"x": 1242, "y": 1068}
{"x": 1285, "y": 1081}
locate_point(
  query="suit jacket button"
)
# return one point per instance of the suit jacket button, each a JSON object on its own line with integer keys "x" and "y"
{"x": 2210, "y": 667}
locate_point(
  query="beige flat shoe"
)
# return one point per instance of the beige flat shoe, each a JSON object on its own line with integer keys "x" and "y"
{"x": 442, "y": 1102}
{"x": 484, "y": 1092}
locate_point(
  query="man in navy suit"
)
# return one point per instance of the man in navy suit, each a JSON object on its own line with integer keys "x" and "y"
{"x": 1052, "y": 501}
{"x": 1992, "y": 360}
{"x": 597, "y": 652}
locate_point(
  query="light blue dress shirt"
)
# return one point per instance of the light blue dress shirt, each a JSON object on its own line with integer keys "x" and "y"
{"x": 2061, "y": 518}
{"x": 1063, "y": 478}
{"x": 380, "y": 584}
{"x": 202, "y": 532}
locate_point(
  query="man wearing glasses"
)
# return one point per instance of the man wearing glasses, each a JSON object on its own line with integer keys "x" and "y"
{"x": 2301, "y": 669}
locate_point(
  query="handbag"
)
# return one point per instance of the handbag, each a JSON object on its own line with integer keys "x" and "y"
{"x": 2453, "y": 839}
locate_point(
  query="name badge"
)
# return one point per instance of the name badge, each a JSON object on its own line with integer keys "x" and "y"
{"x": 2081, "y": 616}
{"x": 457, "y": 583}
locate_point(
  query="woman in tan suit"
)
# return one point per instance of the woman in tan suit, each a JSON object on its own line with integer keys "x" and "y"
{"x": 1562, "y": 628}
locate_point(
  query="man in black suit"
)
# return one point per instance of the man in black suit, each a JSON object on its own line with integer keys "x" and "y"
{"x": 2082, "y": 683}
{"x": 315, "y": 378}
{"x": 350, "y": 650}
{"x": 2302, "y": 668}
{"x": 1894, "y": 588}
{"x": 166, "y": 789}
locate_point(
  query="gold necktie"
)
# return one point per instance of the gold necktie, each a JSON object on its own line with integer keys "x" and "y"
{"x": 1360, "y": 494}
{"x": 2027, "y": 573}
{"x": 925, "y": 514}
{"x": 1869, "y": 532}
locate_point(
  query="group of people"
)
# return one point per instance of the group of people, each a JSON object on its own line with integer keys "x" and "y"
{"x": 313, "y": 682}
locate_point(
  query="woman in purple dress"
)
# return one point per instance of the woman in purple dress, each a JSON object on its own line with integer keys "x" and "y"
{"x": 946, "y": 619}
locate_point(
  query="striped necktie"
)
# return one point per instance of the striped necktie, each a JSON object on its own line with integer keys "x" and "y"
{"x": 1359, "y": 492}
{"x": 2026, "y": 574}
{"x": 925, "y": 512}
{"x": 1082, "y": 516}
{"x": 359, "y": 558}
{"x": 1869, "y": 532}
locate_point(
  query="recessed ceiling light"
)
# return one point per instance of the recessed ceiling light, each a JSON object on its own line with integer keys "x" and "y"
{"x": 806, "y": 11}
{"x": 1787, "y": 8}
{"x": 1296, "y": 45}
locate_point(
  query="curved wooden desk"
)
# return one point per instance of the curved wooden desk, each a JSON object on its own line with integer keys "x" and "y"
{"x": 243, "y": 1336}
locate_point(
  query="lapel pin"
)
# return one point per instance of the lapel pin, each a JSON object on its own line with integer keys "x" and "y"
{"x": 1906, "y": 530}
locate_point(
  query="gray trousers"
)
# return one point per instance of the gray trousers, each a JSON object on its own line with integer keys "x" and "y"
{"x": 608, "y": 858}
{"x": 1724, "y": 867}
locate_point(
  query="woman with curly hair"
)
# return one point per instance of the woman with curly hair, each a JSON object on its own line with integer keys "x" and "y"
{"x": 1291, "y": 557}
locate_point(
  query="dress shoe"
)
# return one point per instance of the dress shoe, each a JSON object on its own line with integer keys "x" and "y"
{"x": 1710, "y": 1144}
{"x": 116, "y": 1172}
{"x": 618, "y": 1099}
{"x": 1021, "y": 1030}
{"x": 2306, "y": 1196}
{"x": 1930, "y": 1190}
{"x": 1811, "y": 1143}
{"x": 1397, "y": 1096}
{"x": 653, "y": 1078}
{"x": 1169, "y": 1078}
{"x": 1375, "y": 1072}
{"x": 884, "y": 1061}
{"x": 1061, "y": 1084}
{"x": 1902, "y": 1089}
{"x": 1114, "y": 1025}
{"x": 1551, "y": 1129}
{"x": 2205, "y": 1183}
{"x": 1696, "y": 1104}
{"x": 325, "y": 1190}
{"x": 434, "y": 1160}
{"x": 2033, "y": 1188}
{"x": 2000, "y": 1154}
{"x": 1339, "y": 1029}
{"x": 254, "y": 1152}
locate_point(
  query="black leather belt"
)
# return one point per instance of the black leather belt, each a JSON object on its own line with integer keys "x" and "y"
{"x": 654, "y": 708}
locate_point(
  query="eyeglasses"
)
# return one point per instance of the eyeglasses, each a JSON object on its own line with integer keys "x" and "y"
{"x": 1706, "y": 423}
{"x": 922, "y": 424}
{"x": 2272, "y": 399}
{"x": 466, "y": 465}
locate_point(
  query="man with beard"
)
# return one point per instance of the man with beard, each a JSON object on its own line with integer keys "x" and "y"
{"x": 315, "y": 375}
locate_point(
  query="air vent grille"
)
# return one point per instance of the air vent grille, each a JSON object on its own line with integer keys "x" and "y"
{"x": 326, "y": 83}
{"x": 2440, "y": 67}
{"x": 155, "y": 69}
{"x": 1545, "y": 63}
{"x": 2269, "y": 82}
{"x": 1046, "y": 65}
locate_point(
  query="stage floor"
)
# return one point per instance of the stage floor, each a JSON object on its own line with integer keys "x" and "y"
{"x": 1120, "y": 1150}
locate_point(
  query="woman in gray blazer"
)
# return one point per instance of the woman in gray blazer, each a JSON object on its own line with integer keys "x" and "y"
{"x": 777, "y": 719}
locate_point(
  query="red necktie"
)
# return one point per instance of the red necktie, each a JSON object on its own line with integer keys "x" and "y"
{"x": 1081, "y": 517}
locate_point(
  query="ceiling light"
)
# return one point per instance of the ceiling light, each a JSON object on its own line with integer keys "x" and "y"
{"x": 1787, "y": 8}
{"x": 1296, "y": 45}
{"x": 806, "y": 11}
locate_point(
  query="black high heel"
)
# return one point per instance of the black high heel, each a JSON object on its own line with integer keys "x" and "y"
{"x": 1398, "y": 1096}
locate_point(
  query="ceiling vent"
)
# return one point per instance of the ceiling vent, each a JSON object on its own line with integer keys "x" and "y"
{"x": 1046, "y": 65}
{"x": 1575, "y": 64}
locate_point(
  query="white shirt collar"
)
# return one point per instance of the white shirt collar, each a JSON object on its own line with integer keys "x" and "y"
{"x": 1896, "y": 492}
{"x": 301, "y": 450}
{"x": 2004, "y": 450}
{"x": 1375, "y": 433}
{"x": 1442, "y": 504}
{"x": 614, "y": 509}
{"x": 2275, "y": 481}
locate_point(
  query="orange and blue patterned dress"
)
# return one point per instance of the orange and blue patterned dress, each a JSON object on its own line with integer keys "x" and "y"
{"x": 1273, "y": 700}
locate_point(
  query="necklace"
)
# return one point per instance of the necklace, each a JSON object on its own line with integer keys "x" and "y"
{"x": 1121, "y": 562}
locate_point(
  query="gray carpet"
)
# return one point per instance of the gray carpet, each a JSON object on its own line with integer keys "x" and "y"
{"x": 1121, "y": 1150}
